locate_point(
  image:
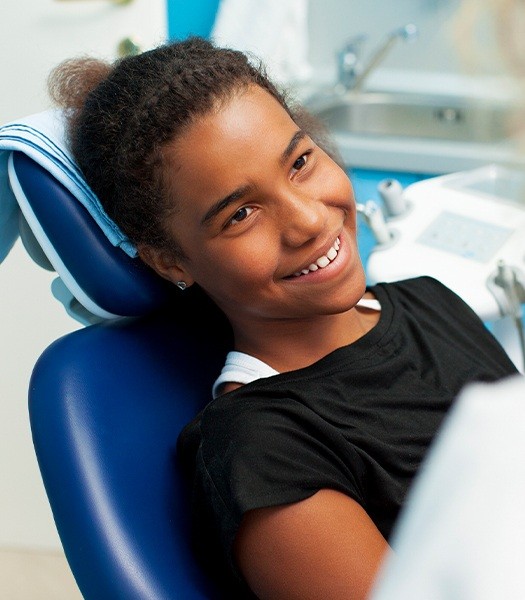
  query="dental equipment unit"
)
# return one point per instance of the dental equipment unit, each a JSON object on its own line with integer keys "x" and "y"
{"x": 466, "y": 229}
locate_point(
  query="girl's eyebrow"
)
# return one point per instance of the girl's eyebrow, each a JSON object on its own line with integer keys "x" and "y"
{"x": 288, "y": 151}
{"x": 220, "y": 205}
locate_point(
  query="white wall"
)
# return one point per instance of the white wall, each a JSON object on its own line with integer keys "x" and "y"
{"x": 30, "y": 318}
{"x": 34, "y": 36}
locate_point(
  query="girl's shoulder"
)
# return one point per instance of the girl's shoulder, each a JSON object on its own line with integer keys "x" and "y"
{"x": 424, "y": 291}
{"x": 423, "y": 283}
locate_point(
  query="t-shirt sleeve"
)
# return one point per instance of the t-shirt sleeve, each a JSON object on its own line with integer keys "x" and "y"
{"x": 271, "y": 452}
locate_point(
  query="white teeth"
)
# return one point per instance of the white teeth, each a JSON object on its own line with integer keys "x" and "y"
{"x": 322, "y": 261}
{"x": 332, "y": 253}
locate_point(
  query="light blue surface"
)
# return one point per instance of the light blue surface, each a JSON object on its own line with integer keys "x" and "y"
{"x": 191, "y": 18}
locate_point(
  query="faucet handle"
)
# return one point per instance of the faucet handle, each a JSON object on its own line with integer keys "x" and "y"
{"x": 353, "y": 45}
{"x": 349, "y": 60}
{"x": 408, "y": 32}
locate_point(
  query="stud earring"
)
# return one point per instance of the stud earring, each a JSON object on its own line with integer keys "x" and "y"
{"x": 182, "y": 285}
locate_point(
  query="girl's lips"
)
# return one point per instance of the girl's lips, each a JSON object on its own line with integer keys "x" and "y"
{"x": 321, "y": 262}
{"x": 324, "y": 266}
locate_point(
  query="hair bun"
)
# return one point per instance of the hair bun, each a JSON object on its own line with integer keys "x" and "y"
{"x": 70, "y": 82}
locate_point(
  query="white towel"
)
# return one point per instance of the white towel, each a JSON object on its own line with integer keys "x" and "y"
{"x": 276, "y": 31}
{"x": 42, "y": 137}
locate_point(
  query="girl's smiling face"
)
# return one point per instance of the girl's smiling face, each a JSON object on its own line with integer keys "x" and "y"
{"x": 257, "y": 204}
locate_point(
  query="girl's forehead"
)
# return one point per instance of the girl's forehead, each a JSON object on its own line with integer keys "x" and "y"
{"x": 244, "y": 121}
{"x": 246, "y": 109}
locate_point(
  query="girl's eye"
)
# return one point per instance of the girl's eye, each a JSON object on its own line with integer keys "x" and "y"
{"x": 241, "y": 214}
{"x": 300, "y": 162}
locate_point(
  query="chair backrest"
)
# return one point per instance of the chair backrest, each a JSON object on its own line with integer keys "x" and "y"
{"x": 107, "y": 403}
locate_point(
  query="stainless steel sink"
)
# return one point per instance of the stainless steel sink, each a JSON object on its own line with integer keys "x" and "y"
{"x": 411, "y": 115}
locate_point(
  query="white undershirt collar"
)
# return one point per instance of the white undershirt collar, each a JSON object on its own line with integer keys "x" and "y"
{"x": 243, "y": 368}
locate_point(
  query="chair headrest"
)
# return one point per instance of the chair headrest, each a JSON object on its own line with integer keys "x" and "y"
{"x": 59, "y": 233}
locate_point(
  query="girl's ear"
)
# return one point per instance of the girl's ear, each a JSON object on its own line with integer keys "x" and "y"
{"x": 165, "y": 264}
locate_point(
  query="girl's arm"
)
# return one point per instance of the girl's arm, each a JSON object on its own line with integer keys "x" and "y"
{"x": 323, "y": 547}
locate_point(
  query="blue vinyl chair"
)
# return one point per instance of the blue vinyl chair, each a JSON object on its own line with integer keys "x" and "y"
{"x": 108, "y": 401}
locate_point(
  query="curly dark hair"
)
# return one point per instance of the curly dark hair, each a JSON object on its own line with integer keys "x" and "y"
{"x": 123, "y": 115}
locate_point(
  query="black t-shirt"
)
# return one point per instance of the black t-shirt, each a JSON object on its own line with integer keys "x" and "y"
{"x": 359, "y": 420}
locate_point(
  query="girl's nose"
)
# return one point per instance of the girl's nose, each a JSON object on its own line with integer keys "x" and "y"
{"x": 302, "y": 219}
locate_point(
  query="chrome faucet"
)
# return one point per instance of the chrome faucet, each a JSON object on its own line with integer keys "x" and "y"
{"x": 352, "y": 72}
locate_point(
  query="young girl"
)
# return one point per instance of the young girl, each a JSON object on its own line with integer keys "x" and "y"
{"x": 333, "y": 392}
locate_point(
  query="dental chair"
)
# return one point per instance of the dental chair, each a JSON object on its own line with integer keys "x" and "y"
{"x": 108, "y": 401}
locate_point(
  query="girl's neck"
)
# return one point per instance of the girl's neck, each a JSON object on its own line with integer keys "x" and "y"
{"x": 291, "y": 345}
